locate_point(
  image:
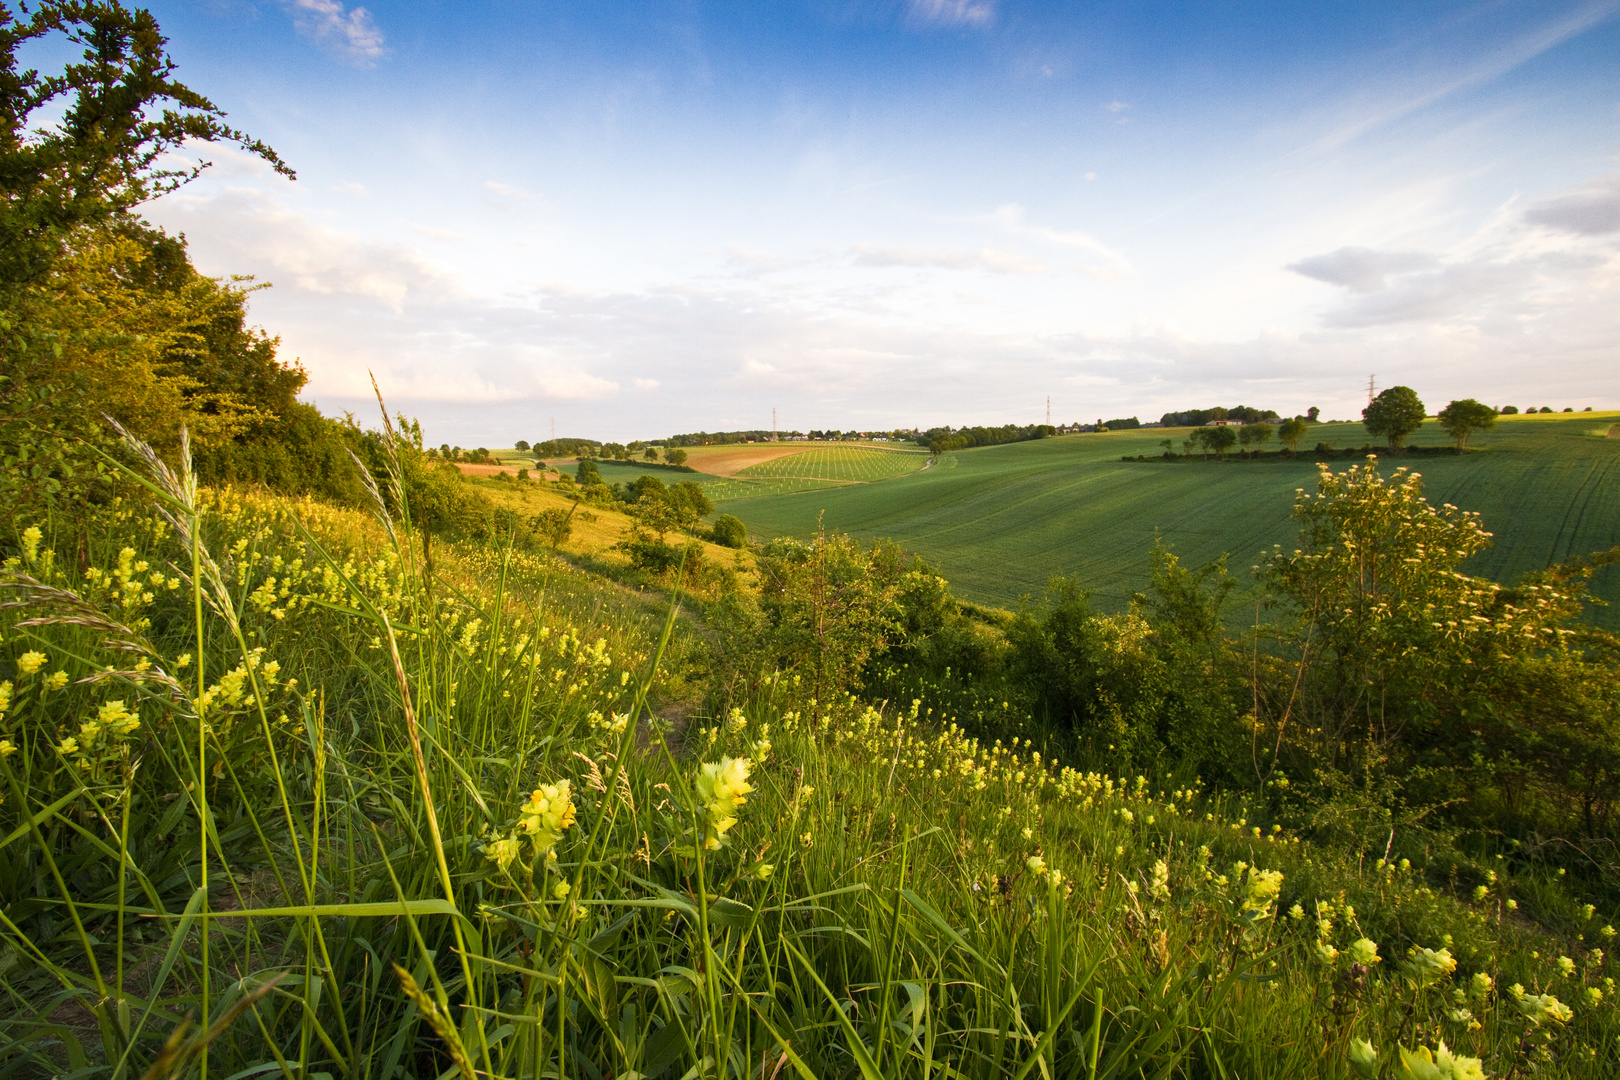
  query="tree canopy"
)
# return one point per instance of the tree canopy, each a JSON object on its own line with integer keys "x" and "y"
{"x": 1394, "y": 414}
{"x": 1462, "y": 418}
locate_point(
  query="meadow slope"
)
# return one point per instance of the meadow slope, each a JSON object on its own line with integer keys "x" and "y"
{"x": 1000, "y": 521}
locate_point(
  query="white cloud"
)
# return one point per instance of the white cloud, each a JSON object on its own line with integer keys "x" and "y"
{"x": 1115, "y": 265}
{"x": 1591, "y": 211}
{"x": 647, "y": 384}
{"x": 349, "y": 32}
{"x": 952, "y": 12}
{"x": 1362, "y": 270}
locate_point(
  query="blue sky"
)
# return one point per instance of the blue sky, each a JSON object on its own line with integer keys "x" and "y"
{"x": 644, "y": 218}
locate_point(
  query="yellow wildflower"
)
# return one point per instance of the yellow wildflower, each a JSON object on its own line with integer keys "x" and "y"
{"x": 1442, "y": 1064}
{"x": 722, "y": 787}
{"x": 115, "y": 717}
{"x": 1160, "y": 886}
{"x": 502, "y": 851}
{"x": 561, "y": 890}
{"x": 56, "y": 680}
{"x": 70, "y": 745}
{"x": 1365, "y": 952}
{"x": 30, "y": 662}
{"x": 1539, "y": 1008}
{"x": 7, "y": 748}
{"x": 547, "y": 815}
{"x": 1427, "y": 965}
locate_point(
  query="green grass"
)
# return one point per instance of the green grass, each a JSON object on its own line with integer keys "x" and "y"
{"x": 817, "y": 470}
{"x": 1000, "y": 521}
{"x": 318, "y": 851}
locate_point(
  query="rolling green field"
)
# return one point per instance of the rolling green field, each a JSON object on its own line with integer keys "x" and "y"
{"x": 1000, "y": 521}
{"x": 817, "y": 470}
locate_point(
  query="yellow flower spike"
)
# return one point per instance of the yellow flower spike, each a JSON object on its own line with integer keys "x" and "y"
{"x": 1365, "y": 952}
{"x": 722, "y": 788}
{"x": 1544, "y": 1008}
{"x": 30, "y": 662}
{"x": 548, "y": 813}
{"x": 56, "y": 680}
{"x": 502, "y": 852}
{"x": 7, "y": 748}
{"x": 70, "y": 745}
{"x": 31, "y": 538}
{"x": 1442, "y": 1064}
{"x": 1428, "y": 965}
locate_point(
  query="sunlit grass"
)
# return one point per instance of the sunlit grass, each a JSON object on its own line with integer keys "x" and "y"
{"x": 451, "y": 826}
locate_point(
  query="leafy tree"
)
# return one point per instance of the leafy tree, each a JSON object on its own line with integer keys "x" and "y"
{"x": 1402, "y": 683}
{"x": 827, "y": 606}
{"x": 1311, "y": 414}
{"x": 521, "y": 446}
{"x": 1394, "y": 414}
{"x": 1510, "y": 410}
{"x": 1255, "y": 436}
{"x": 675, "y": 456}
{"x": 587, "y": 472}
{"x": 1290, "y": 432}
{"x": 118, "y": 114}
{"x": 729, "y": 531}
{"x": 1462, "y": 418}
{"x": 651, "y": 453}
{"x": 1217, "y": 440}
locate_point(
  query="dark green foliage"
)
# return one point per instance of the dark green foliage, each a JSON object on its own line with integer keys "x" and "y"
{"x": 1290, "y": 432}
{"x": 121, "y": 111}
{"x": 1200, "y": 417}
{"x": 587, "y": 472}
{"x": 1216, "y": 440}
{"x": 729, "y": 531}
{"x": 945, "y": 439}
{"x": 1128, "y": 423}
{"x": 1158, "y": 683}
{"x": 1462, "y": 418}
{"x": 1394, "y": 414}
{"x": 555, "y": 448}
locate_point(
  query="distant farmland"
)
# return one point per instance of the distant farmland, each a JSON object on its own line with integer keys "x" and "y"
{"x": 818, "y": 468}
{"x": 1000, "y": 521}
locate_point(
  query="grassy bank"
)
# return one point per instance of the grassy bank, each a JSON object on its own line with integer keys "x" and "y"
{"x": 267, "y": 778}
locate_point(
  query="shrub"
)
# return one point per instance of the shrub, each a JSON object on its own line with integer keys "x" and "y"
{"x": 729, "y": 531}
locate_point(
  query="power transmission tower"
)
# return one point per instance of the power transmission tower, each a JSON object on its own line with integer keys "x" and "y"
{"x": 1371, "y": 388}
{"x": 1048, "y": 410}
{"x": 773, "y": 423}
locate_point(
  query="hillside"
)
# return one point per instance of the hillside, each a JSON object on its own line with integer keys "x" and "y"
{"x": 1000, "y": 521}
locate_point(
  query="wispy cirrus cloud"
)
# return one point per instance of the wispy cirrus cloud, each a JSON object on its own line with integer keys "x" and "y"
{"x": 349, "y": 32}
{"x": 952, "y": 12}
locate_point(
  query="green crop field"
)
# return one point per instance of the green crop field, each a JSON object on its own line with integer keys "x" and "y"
{"x": 817, "y": 470}
{"x": 1000, "y": 521}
